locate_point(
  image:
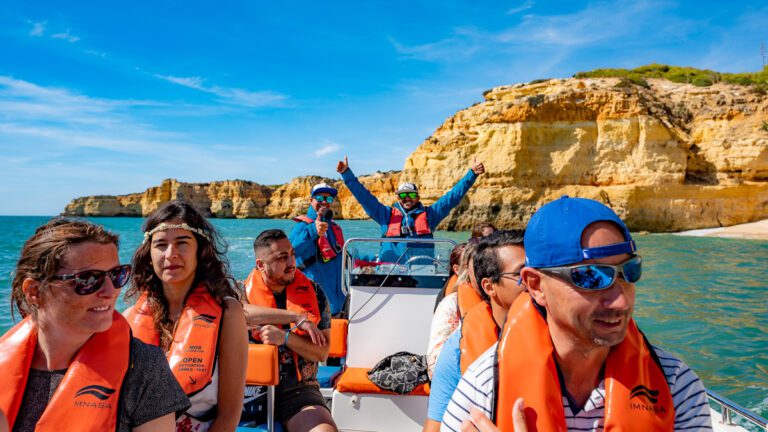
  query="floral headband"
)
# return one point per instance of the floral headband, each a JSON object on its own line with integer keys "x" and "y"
{"x": 166, "y": 226}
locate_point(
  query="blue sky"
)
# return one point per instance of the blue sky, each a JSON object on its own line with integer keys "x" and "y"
{"x": 113, "y": 97}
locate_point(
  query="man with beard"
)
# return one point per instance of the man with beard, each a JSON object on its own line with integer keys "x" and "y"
{"x": 318, "y": 242}
{"x": 290, "y": 311}
{"x": 570, "y": 356}
{"x": 407, "y": 217}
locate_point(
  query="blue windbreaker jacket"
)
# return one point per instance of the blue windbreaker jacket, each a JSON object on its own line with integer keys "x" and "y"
{"x": 390, "y": 252}
{"x": 304, "y": 237}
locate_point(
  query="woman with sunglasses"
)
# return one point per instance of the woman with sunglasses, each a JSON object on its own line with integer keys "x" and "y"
{"x": 188, "y": 304}
{"x": 71, "y": 363}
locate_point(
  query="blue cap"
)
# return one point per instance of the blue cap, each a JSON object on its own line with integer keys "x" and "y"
{"x": 553, "y": 235}
{"x": 323, "y": 188}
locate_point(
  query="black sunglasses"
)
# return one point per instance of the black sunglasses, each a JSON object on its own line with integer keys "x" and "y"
{"x": 89, "y": 281}
{"x": 411, "y": 195}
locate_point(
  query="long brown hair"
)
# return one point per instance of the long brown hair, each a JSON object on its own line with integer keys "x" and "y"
{"x": 212, "y": 270}
{"x": 42, "y": 254}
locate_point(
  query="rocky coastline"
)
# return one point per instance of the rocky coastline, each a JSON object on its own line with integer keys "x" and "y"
{"x": 667, "y": 157}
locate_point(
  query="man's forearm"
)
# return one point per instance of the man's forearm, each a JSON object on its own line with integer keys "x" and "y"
{"x": 261, "y": 315}
{"x": 304, "y": 347}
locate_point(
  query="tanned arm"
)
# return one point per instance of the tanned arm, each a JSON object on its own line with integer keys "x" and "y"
{"x": 233, "y": 361}
{"x": 301, "y": 345}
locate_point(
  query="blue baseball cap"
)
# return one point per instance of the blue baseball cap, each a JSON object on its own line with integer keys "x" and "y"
{"x": 553, "y": 235}
{"x": 323, "y": 188}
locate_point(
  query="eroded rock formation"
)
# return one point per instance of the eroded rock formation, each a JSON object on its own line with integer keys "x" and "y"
{"x": 666, "y": 158}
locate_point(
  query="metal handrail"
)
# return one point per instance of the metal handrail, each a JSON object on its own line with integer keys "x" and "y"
{"x": 729, "y": 407}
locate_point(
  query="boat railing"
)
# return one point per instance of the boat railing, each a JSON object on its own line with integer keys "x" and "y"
{"x": 346, "y": 253}
{"x": 728, "y": 408}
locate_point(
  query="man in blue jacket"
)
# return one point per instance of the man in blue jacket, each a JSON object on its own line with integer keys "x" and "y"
{"x": 318, "y": 241}
{"x": 407, "y": 217}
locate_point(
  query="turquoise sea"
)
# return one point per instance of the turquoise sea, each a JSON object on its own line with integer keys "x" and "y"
{"x": 704, "y": 299}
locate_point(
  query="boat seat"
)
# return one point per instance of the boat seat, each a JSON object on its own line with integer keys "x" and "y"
{"x": 355, "y": 380}
{"x": 263, "y": 370}
{"x": 259, "y": 372}
{"x": 327, "y": 375}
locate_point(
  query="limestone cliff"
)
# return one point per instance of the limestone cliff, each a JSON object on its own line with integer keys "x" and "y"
{"x": 236, "y": 198}
{"x": 667, "y": 158}
{"x": 225, "y": 199}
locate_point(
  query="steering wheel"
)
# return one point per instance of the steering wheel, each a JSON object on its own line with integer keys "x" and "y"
{"x": 433, "y": 260}
{"x": 418, "y": 257}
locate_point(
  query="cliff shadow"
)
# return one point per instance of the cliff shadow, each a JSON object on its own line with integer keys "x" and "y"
{"x": 698, "y": 170}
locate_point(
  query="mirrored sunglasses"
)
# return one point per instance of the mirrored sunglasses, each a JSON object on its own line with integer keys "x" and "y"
{"x": 321, "y": 198}
{"x": 89, "y": 281}
{"x": 411, "y": 195}
{"x": 597, "y": 277}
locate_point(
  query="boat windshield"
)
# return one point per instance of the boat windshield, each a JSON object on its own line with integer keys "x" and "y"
{"x": 418, "y": 263}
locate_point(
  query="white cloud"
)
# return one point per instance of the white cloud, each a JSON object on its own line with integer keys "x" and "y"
{"x": 230, "y": 95}
{"x": 38, "y": 28}
{"x": 67, "y": 36}
{"x": 57, "y": 136}
{"x": 525, "y": 6}
{"x": 327, "y": 148}
{"x": 579, "y": 29}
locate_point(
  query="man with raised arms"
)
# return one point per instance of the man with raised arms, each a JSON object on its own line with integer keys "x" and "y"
{"x": 570, "y": 356}
{"x": 287, "y": 309}
{"x": 407, "y": 217}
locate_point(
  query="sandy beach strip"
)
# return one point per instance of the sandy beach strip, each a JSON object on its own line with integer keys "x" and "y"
{"x": 754, "y": 230}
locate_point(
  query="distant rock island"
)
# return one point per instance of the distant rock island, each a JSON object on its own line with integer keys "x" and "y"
{"x": 667, "y": 156}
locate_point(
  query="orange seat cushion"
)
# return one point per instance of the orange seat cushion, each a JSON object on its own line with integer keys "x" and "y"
{"x": 262, "y": 365}
{"x": 355, "y": 380}
{"x": 338, "y": 345}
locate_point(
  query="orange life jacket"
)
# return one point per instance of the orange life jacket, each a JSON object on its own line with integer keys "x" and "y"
{"x": 467, "y": 298}
{"x": 192, "y": 354}
{"x": 637, "y": 396}
{"x": 449, "y": 284}
{"x": 327, "y": 251}
{"x": 420, "y": 224}
{"x": 87, "y": 399}
{"x": 478, "y": 332}
{"x": 300, "y": 298}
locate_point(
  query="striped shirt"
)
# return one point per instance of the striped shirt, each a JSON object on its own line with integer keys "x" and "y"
{"x": 476, "y": 389}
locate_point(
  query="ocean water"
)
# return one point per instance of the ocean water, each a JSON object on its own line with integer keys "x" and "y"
{"x": 703, "y": 299}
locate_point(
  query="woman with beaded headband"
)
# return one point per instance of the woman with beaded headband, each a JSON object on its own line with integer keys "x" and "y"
{"x": 188, "y": 303}
{"x": 71, "y": 363}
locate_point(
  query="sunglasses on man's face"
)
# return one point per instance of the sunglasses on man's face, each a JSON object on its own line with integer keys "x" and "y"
{"x": 411, "y": 195}
{"x": 89, "y": 281}
{"x": 597, "y": 277}
{"x": 321, "y": 198}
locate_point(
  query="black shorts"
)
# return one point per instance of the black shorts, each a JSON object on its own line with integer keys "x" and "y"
{"x": 291, "y": 399}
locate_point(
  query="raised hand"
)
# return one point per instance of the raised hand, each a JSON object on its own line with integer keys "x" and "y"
{"x": 478, "y": 167}
{"x": 342, "y": 165}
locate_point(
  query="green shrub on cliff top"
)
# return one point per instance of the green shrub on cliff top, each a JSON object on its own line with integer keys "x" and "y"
{"x": 679, "y": 74}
